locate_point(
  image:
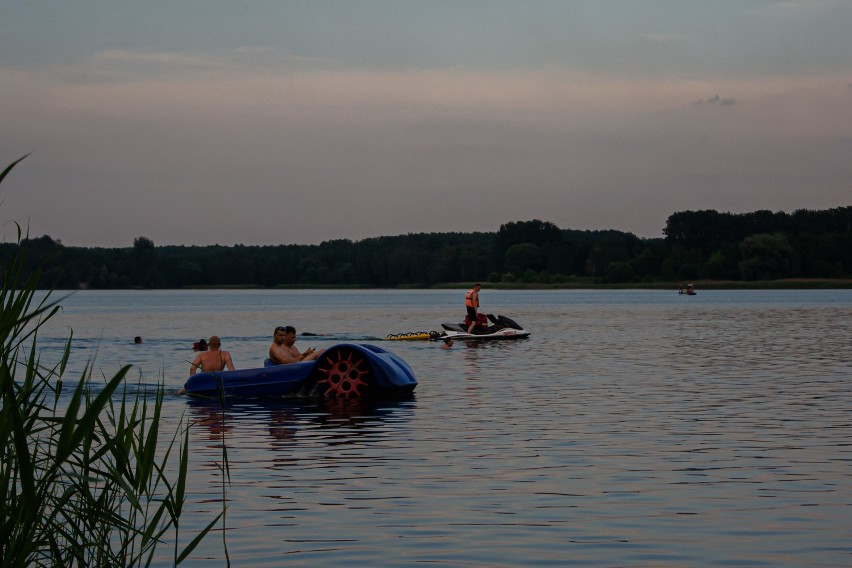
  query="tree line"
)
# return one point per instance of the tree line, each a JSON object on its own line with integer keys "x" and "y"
{"x": 760, "y": 245}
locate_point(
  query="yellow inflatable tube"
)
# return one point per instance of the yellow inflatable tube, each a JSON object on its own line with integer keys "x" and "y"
{"x": 409, "y": 336}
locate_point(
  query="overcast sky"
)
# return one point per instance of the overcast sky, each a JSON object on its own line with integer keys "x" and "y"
{"x": 268, "y": 122}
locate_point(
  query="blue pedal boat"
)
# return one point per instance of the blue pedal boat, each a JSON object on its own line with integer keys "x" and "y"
{"x": 345, "y": 370}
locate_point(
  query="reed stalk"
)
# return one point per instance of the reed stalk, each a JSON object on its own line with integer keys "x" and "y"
{"x": 84, "y": 471}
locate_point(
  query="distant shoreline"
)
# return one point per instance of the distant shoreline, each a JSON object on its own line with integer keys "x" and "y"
{"x": 784, "y": 284}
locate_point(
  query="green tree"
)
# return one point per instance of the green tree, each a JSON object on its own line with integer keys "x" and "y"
{"x": 648, "y": 263}
{"x": 141, "y": 244}
{"x": 723, "y": 264}
{"x": 540, "y": 233}
{"x": 523, "y": 256}
{"x": 602, "y": 254}
{"x": 619, "y": 272}
{"x": 766, "y": 256}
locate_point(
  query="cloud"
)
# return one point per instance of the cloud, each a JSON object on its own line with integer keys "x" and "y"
{"x": 663, "y": 38}
{"x": 125, "y": 57}
{"x": 788, "y": 8}
{"x": 716, "y": 100}
{"x": 239, "y": 154}
{"x": 123, "y": 65}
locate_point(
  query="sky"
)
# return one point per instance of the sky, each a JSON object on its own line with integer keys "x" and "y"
{"x": 297, "y": 122}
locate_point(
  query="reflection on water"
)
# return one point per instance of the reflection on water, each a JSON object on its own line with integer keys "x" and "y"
{"x": 277, "y": 423}
{"x": 631, "y": 429}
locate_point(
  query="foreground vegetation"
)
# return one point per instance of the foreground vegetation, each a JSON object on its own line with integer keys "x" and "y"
{"x": 81, "y": 483}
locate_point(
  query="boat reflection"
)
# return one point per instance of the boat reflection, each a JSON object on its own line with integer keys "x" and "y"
{"x": 281, "y": 422}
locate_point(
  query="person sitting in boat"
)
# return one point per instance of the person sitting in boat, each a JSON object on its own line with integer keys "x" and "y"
{"x": 212, "y": 360}
{"x": 471, "y": 304}
{"x": 283, "y": 349}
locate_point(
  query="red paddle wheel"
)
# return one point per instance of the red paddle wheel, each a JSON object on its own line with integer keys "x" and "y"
{"x": 345, "y": 372}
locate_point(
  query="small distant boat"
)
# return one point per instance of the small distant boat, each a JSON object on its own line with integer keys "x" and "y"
{"x": 345, "y": 370}
{"x": 689, "y": 291}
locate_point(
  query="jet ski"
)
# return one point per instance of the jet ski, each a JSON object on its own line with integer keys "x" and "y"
{"x": 501, "y": 327}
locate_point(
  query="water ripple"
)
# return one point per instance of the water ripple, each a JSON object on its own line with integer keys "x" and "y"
{"x": 631, "y": 429}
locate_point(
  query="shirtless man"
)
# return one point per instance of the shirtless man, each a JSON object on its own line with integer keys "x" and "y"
{"x": 212, "y": 360}
{"x": 283, "y": 349}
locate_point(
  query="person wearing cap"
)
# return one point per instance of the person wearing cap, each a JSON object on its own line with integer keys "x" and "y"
{"x": 283, "y": 349}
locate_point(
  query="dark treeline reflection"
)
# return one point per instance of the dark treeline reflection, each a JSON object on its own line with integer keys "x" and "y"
{"x": 761, "y": 245}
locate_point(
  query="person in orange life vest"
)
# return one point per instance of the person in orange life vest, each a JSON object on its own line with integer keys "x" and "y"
{"x": 471, "y": 302}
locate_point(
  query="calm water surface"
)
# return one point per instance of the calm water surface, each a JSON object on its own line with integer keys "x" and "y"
{"x": 633, "y": 428}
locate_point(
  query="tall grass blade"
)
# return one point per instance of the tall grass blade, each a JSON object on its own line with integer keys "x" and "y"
{"x": 87, "y": 484}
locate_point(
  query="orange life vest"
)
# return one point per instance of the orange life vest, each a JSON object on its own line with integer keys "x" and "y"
{"x": 468, "y": 299}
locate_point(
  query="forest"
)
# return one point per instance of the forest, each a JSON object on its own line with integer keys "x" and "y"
{"x": 697, "y": 245}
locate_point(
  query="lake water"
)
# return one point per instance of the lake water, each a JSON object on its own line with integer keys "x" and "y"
{"x": 634, "y": 428}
